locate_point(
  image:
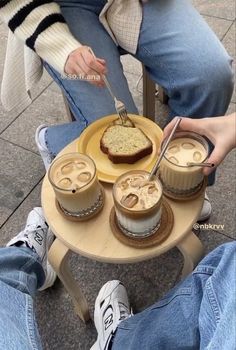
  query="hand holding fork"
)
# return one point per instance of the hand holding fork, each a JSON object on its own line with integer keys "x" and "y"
{"x": 119, "y": 105}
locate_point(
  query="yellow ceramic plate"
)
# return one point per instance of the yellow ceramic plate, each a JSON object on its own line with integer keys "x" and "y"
{"x": 89, "y": 143}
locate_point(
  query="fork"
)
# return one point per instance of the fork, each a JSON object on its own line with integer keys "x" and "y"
{"x": 119, "y": 105}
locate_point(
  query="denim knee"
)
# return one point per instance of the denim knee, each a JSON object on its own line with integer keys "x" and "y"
{"x": 219, "y": 80}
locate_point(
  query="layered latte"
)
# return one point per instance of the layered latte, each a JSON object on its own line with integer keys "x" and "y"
{"x": 74, "y": 180}
{"x": 137, "y": 203}
{"x": 177, "y": 171}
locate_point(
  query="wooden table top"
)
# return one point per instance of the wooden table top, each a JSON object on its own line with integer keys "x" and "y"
{"x": 94, "y": 238}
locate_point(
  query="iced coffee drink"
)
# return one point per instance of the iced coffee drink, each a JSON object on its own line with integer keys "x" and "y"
{"x": 74, "y": 180}
{"x": 177, "y": 171}
{"x": 137, "y": 203}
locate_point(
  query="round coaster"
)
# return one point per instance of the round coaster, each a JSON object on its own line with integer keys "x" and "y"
{"x": 72, "y": 217}
{"x": 186, "y": 197}
{"x": 162, "y": 233}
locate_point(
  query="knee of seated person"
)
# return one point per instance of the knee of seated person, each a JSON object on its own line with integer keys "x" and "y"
{"x": 220, "y": 78}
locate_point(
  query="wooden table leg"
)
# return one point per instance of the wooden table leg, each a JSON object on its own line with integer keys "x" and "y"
{"x": 58, "y": 257}
{"x": 192, "y": 251}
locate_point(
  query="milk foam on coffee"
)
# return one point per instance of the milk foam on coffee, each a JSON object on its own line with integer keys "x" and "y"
{"x": 137, "y": 203}
{"x": 74, "y": 181}
{"x": 175, "y": 173}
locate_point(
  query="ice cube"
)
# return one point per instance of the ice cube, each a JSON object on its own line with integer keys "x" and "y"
{"x": 124, "y": 184}
{"x": 144, "y": 183}
{"x": 67, "y": 168}
{"x": 188, "y": 145}
{"x": 173, "y": 160}
{"x": 174, "y": 149}
{"x": 130, "y": 200}
{"x": 152, "y": 188}
{"x": 65, "y": 183}
{"x": 85, "y": 176}
{"x": 142, "y": 202}
{"x": 80, "y": 165}
{"x": 136, "y": 181}
{"x": 197, "y": 156}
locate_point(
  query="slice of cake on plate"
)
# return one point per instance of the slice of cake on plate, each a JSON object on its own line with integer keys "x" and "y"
{"x": 125, "y": 144}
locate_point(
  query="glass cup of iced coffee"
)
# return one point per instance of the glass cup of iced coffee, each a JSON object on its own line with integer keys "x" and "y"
{"x": 178, "y": 173}
{"x": 77, "y": 189}
{"x": 138, "y": 203}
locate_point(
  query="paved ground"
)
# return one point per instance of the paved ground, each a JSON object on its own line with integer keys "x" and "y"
{"x": 21, "y": 173}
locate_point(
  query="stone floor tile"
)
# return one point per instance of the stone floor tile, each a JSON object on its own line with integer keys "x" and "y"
{"x": 17, "y": 220}
{"x": 218, "y": 25}
{"x": 20, "y": 171}
{"x": 216, "y": 8}
{"x": 47, "y": 109}
{"x": 229, "y": 42}
{"x": 222, "y": 196}
{"x": 211, "y": 240}
{"x": 4, "y": 213}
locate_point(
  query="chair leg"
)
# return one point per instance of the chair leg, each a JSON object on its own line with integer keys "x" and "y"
{"x": 162, "y": 95}
{"x": 149, "y": 90}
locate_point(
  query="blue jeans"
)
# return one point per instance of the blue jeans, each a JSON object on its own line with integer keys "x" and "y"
{"x": 21, "y": 274}
{"x": 199, "y": 313}
{"x": 178, "y": 49}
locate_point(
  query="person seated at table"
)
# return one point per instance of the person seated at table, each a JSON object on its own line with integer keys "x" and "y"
{"x": 171, "y": 39}
{"x": 198, "y": 313}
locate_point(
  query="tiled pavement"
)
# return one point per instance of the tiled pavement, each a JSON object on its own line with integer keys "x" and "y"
{"x": 21, "y": 173}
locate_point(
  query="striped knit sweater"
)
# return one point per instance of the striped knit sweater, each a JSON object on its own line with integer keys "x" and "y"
{"x": 40, "y": 24}
{"x": 38, "y": 30}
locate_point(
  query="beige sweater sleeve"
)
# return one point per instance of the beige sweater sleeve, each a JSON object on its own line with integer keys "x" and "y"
{"x": 40, "y": 24}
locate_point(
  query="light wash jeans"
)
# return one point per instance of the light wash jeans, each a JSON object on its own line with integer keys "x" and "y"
{"x": 21, "y": 274}
{"x": 199, "y": 313}
{"x": 178, "y": 49}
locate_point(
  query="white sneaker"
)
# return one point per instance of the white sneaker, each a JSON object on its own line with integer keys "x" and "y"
{"x": 111, "y": 308}
{"x": 44, "y": 152}
{"x": 50, "y": 278}
{"x": 206, "y": 209}
{"x": 39, "y": 238}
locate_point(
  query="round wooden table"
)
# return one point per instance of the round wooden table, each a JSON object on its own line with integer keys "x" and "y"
{"x": 95, "y": 240}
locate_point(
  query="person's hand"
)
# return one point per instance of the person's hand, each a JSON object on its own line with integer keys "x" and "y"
{"x": 220, "y": 131}
{"x": 83, "y": 64}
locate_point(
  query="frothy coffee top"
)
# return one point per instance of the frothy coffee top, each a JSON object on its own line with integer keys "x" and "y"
{"x": 183, "y": 150}
{"x": 72, "y": 173}
{"x": 135, "y": 192}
